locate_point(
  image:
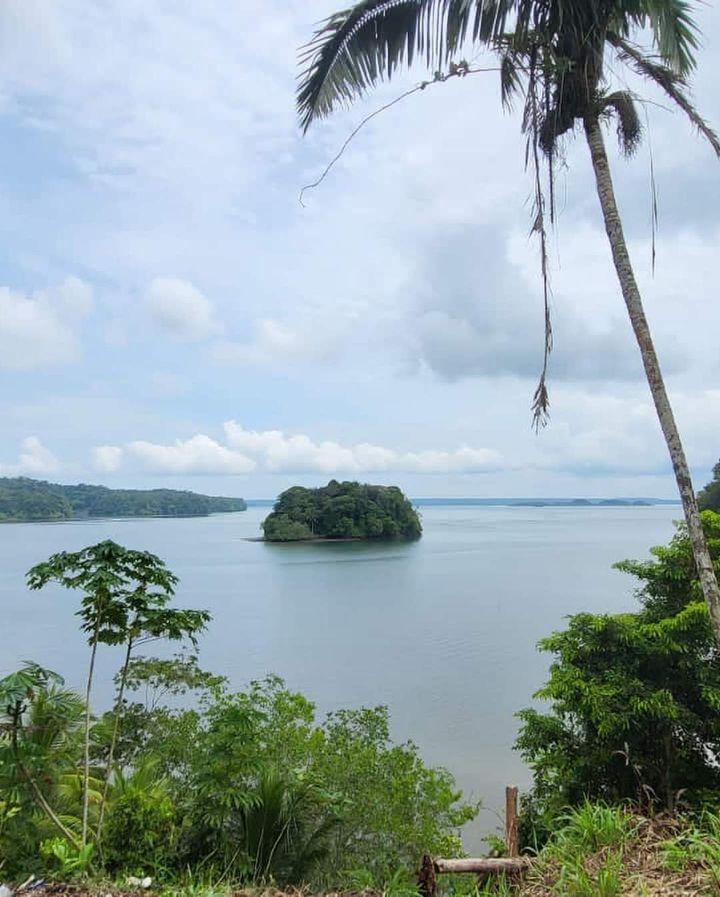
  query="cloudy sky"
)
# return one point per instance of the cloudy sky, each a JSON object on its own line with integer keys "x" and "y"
{"x": 171, "y": 315}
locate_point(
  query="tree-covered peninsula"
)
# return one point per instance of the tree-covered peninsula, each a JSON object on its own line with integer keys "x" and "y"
{"x": 342, "y": 511}
{"x": 24, "y": 499}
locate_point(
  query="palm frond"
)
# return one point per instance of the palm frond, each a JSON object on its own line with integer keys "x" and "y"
{"x": 509, "y": 78}
{"x": 670, "y": 82}
{"x": 675, "y": 33}
{"x": 354, "y": 49}
{"x": 629, "y": 128}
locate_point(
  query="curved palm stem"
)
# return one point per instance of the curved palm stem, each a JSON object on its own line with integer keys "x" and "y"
{"x": 638, "y": 320}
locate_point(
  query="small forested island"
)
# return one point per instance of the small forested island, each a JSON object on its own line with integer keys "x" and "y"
{"x": 23, "y": 499}
{"x": 342, "y": 511}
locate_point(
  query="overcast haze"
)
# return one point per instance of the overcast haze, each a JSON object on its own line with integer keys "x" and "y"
{"x": 171, "y": 315}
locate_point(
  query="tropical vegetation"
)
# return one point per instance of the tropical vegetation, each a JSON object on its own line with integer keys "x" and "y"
{"x": 634, "y": 699}
{"x": 563, "y": 58}
{"x": 23, "y": 499}
{"x": 184, "y": 776}
{"x": 342, "y": 511}
{"x": 709, "y": 496}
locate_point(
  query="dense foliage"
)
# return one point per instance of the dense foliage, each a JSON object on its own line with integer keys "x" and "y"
{"x": 342, "y": 511}
{"x": 193, "y": 778}
{"x": 22, "y": 499}
{"x": 709, "y": 497}
{"x": 635, "y": 697}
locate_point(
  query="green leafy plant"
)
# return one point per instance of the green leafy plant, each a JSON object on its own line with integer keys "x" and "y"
{"x": 68, "y": 860}
{"x": 38, "y": 724}
{"x": 140, "y": 829}
{"x": 124, "y": 600}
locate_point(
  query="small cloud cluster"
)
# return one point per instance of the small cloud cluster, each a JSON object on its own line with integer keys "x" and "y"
{"x": 245, "y": 451}
{"x": 273, "y": 340}
{"x": 34, "y": 460}
{"x": 180, "y": 309}
{"x": 40, "y": 329}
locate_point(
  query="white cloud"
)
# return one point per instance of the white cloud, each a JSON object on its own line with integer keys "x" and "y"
{"x": 35, "y": 460}
{"x": 601, "y": 433}
{"x": 199, "y": 454}
{"x": 107, "y": 458}
{"x": 272, "y": 451}
{"x": 273, "y": 340}
{"x": 181, "y": 309}
{"x": 41, "y": 329}
{"x": 280, "y": 453}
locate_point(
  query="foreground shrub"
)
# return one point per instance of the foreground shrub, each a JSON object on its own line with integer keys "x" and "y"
{"x": 242, "y": 787}
{"x": 634, "y": 699}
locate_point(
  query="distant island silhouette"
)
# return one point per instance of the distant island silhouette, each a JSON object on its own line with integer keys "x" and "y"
{"x": 23, "y": 499}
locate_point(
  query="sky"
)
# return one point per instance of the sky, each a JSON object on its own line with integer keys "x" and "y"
{"x": 172, "y": 315}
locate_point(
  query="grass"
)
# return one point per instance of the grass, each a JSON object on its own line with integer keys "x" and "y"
{"x": 699, "y": 845}
{"x": 604, "y": 851}
{"x": 597, "y": 851}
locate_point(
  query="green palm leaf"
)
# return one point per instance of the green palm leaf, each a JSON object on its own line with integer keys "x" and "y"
{"x": 356, "y": 48}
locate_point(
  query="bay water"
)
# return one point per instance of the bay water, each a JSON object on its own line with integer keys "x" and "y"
{"x": 442, "y": 630}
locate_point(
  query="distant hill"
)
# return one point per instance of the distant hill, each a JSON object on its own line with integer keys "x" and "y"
{"x": 23, "y": 499}
{"x": 342, "y": 511}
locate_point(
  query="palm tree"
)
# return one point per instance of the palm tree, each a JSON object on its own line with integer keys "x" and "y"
{"x": 40, "y": 741}
{"x": 555, "y": 52}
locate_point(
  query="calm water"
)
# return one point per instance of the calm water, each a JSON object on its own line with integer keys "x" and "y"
{"x": 442, "y": 630}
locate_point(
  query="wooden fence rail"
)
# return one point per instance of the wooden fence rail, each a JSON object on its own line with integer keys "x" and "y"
{"x": 513, "y": 864}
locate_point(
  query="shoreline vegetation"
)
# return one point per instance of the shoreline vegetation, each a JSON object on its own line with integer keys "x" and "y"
{"x": 27, "y": 500}
{"x": 24, "y": 500}
{"x": 347, "y": 511}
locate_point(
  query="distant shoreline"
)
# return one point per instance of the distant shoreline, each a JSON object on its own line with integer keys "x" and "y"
{"x": 519, "y": 502}
{"x": 99, "y": 519}
{"x": 565, "y": 503}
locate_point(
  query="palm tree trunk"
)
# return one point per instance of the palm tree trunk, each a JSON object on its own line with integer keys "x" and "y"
{"x": 114, "y": 739}
{"x": 633, "y": 301}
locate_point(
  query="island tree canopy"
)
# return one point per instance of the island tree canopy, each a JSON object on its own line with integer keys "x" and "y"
{"x": 709, "y": 497}
{"x": 342, "y": 511}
